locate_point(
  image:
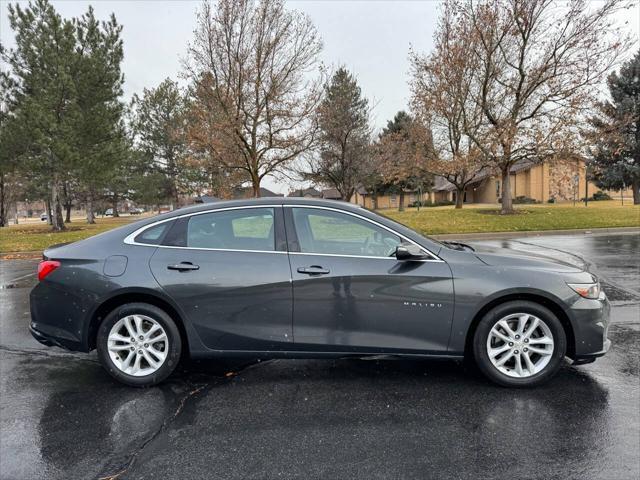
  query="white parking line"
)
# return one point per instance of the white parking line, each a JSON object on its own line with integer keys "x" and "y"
{"x": 23, "y": 276}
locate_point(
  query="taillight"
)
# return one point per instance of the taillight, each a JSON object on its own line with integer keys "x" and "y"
{"x": 46, "y": 267}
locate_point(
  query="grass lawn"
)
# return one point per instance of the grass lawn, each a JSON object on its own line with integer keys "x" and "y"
{"x": 473, "y": 219}
{"x": 429, "y": 221}
{"x": 38, "y": 236}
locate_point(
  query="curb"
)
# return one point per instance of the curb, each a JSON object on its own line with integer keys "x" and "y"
{"x": 21, "y": 255}
{"x": 535, "y": 233}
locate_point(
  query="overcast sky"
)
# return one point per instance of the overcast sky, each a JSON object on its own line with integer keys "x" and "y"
{"x": 371, "y": 38}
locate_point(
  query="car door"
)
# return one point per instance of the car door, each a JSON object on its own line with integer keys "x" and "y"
{"x": 352, "y": 294}
{"x": 228, "y": 271}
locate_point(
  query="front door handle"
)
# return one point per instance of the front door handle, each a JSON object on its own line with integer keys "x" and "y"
{"x": 313, "y": 270}
{"x": 183, "y": 267}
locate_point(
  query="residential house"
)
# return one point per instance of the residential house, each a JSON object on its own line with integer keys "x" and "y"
{"x": 558, "y": 180}
{"x": 331, "y": 194}
{"x": 368, "y": 199}
{"x": 247, "y": 192}
{"x": 306, "y": 193}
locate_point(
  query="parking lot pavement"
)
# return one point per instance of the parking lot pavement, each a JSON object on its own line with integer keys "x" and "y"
{"x": 61, "y": 416}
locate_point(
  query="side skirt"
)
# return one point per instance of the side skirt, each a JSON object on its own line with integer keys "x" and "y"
{"x": 318, "y": 355}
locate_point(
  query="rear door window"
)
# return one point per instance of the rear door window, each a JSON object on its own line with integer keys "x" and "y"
{"x": 242, "y": 229}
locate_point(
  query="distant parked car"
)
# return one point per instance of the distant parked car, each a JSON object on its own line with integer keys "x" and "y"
{"x": 136, "y": 210}
{"x": 294, "y": 277}
{"x": 44, "y": 217}
{"x": 108, "y": 212}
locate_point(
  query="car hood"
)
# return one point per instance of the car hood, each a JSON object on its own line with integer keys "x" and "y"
{"x": 505, "y": 257}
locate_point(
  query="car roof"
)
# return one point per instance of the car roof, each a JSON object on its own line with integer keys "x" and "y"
{"x": 245, "y": 202}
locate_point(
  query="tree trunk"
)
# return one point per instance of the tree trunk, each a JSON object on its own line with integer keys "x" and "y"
{"x": 67, "y": 204}
{"x": 255, "y": 183}
{"x": 459, "y": 197}
{"x": 91, "y": 217}
{"x": 507, "y": 202}
{"x": 401, "y": 201}
{"x": 115, "y": 205}
{"x": 56, "y": 204}
{"x": 48, "y": 206}
{"x": 176, "y": 200}
{"x": 636, "y": 191}
{"x": 3, "y": 204}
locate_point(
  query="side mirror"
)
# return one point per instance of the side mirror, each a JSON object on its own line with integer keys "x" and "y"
{"x": 409, "y": 252}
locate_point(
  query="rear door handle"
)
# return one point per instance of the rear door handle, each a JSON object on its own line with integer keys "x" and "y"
{"x": 183, "y": 267}
{"x": 313, "y": 270}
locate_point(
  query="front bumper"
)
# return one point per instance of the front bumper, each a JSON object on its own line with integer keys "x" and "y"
{"x": 591, "y": 319}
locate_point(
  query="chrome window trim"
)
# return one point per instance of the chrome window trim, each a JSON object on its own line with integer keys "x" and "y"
{"x": 130, "y": 239}
{"x": 216, "y": 249}
{"x": 434, "y": 257}
{"x": 357, "y": 256}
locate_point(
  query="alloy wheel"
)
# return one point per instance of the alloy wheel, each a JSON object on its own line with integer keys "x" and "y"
{"x": 138, "y": 345}
{"x": 520, "y": 345}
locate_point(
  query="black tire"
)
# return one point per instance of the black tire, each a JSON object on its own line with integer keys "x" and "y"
{"x": 170, "y": 328}
{"x": 492, "y": 317}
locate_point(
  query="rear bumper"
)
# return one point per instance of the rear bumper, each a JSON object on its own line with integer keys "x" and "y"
{"x": 56, "y": 318}
{"x": 46, "y": 339}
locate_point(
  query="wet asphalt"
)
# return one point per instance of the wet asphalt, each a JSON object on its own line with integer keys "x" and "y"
{"x": 62, "y": 416}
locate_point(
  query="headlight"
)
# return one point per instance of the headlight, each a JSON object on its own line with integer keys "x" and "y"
{"x": 587, "y": 290}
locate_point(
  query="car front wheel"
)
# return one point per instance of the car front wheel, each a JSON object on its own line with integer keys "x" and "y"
{"x": 519, "y": 344}
{"x": 139, "y": 344}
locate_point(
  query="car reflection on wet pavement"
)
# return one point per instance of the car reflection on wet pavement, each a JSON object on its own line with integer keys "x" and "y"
{"x": 63, "y": 417}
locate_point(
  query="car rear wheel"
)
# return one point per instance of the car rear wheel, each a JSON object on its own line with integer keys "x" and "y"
{"x": 519, "y": 344}
{"x": 139, "y": 344}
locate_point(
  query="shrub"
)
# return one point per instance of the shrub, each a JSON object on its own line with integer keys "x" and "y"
{"x": 524, "y": 200}
{"x": 440, "y": 203}
{"x": 599, "y": 195}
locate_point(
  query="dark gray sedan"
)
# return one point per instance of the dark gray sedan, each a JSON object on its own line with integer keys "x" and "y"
{"x": 289, "y": 277}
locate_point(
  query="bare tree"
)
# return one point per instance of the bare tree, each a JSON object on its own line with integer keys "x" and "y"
{"x": 251, "y": 65}
{"x": 539, "y": 64}
{"x": 401, "y": 154}
{"x": 442, "y": 86}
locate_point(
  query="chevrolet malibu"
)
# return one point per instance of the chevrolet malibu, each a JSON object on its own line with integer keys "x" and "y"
{"x": 296, "y": 278}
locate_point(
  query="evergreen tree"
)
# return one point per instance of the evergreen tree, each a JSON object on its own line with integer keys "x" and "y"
{"x": 42, "y": 67}
{"x": 158, "y": 118}
{"x": 98, "y": 84}
{"x": 8, "y": 144}
{"x": 343, "y": 120}
{"x": 615, "y": 161}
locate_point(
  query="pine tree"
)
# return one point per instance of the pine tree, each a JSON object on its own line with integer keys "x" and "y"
{"x": 158, "y": 117}
{"x": 343, "y": 120}
{"x": 615, "y": 155}
{"x": 42, "y": 64}
{"x": 98, "y": 83}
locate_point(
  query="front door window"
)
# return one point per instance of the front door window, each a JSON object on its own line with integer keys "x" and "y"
{"x": 329, "y": 232}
